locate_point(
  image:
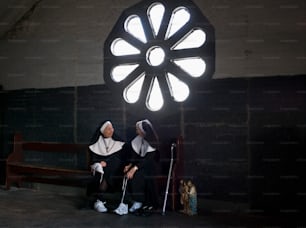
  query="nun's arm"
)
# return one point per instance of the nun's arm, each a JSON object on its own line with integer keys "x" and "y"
{"x": 96, "y": 158}
{"x": 142, "y": 163}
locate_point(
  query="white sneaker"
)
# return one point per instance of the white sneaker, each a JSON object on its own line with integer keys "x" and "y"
{"x": 135, "y": 206}
{"x": 99, "y": 206}
{"x": 122, "y": 209}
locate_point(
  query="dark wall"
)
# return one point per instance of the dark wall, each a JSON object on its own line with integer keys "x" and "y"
{"x": 216, "y": 134}
{"x": 244, "y": 139}
{"x": 277, "y": 134}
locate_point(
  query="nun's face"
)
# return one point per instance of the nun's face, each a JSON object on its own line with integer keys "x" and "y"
{"x": 108, "y": 131}
{"x": 139, "y": 132}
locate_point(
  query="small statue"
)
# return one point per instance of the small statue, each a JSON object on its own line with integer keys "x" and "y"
{"x": 192, "y": 198}
{"x": 188, "y": 197}
{"x": 184, "y": 196}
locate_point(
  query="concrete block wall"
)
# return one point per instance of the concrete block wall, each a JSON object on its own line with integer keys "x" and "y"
{"x": 216, "y": 134}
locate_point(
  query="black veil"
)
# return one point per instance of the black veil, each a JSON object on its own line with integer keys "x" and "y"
{"x": 97, "y": 133}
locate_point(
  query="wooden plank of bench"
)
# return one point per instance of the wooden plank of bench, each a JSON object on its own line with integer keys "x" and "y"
{"x": 46, "y": 170}
{"x": 51, "y": 175}
{"x": 58, "y": 180}
{"x": 54, "y": 147}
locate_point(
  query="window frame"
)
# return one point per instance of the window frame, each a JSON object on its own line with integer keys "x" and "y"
{"x": 206, "y": 51}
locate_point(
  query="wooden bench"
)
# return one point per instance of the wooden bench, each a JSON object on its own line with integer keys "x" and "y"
{"x": 22, "y": 168}
{"x": 46, "y": 162}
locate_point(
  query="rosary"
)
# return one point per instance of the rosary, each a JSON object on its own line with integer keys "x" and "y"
{"x": 107, "y": 146}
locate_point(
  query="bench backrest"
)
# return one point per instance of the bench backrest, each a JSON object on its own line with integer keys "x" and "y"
{"x": 68, "y": 155}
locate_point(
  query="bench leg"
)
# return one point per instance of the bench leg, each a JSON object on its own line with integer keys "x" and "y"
{"x": 13, "y": 179}
{"x": 7, "y": 184}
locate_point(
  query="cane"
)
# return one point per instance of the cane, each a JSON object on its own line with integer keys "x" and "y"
{"x": 124, "y": 188}
{"x": 169, "y": 177}
{"x": 122, "y": 209}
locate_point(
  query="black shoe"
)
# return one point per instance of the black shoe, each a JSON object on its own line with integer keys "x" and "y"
{"x": 144, "y": 211}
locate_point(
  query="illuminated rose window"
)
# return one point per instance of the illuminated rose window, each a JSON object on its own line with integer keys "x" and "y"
{"x": 157, "y": 50}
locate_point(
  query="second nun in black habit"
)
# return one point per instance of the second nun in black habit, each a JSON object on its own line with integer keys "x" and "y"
{"x": 141, "y": 167}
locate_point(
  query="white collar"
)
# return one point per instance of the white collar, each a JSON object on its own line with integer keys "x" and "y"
{"x": 106, "y": 146}
{"x": 141, "y": 146}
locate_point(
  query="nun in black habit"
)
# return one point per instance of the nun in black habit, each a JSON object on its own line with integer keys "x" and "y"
{"x": 108, "y": 160}
{"x": 141, "y": 168}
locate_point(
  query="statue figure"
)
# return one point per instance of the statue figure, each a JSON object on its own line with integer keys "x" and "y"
{"x": 188, "y": 197}
{"x": 192, "y": 198}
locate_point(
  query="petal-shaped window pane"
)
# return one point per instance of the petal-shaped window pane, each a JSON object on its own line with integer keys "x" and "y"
{"x": 134, "y": 26}
{"x": 195, "y": 66}
{"x": 120, "y": 47}
{"x": 155, "y": 100}
{"x": 178, "y": 89}
{"x": 120, "y": 72}
{"x": 180, "y": 16}
{"x": 194, "y": 39}
{"x": 132, "y": 92}
{"x": 155, "y": 14}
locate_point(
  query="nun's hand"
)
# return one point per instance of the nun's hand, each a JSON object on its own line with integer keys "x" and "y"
{"x": 103, "y": 163}
{"x": 126, "y": 168}
{"x": 131, "y": 172}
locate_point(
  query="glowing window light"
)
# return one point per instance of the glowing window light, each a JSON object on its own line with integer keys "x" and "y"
{"x": 178, "y": 89}
{"x": 120, "y": 72}
{"x": 178, "y": 36}
{"x": 155, "y": 56}
{"x": 120, "y": 47}
{"x": 194, "y": 66}
{"x": 154, "y": 101}
{"x": 132, "y": 92}
{"x": 155, "y": 15}
{"x": 194, "y": 39}
{"x": 134, "y": 26}
{"x": 180, "y": 16}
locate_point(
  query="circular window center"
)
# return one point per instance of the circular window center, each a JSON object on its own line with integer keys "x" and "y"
{"x": 155, "y": 56}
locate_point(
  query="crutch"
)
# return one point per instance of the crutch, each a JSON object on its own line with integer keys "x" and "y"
{"x": 169, "y": 177}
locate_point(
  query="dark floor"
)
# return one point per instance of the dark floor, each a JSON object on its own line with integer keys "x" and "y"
{"x": 25, "y": 207}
